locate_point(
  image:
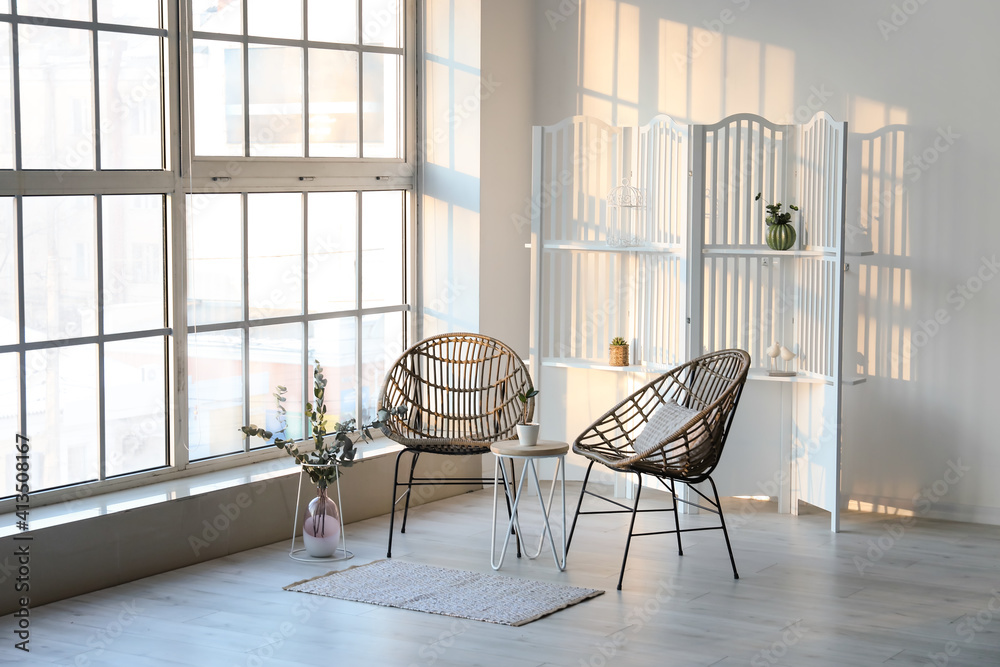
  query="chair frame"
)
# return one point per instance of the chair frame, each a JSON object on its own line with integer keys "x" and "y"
{"x": 460, "y": 394}
{"x": 713, "y": 384}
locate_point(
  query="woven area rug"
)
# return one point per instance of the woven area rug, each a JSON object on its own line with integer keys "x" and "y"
{"x": 481, "y": 597}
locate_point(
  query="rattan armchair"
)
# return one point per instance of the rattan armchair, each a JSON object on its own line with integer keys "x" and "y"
{"x": 709, "y": 387}
{"x": 460, "y": 394}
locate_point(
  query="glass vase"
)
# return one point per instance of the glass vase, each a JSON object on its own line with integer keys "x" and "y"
{"x": 321, "y": 526}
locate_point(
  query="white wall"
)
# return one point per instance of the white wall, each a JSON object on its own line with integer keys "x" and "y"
{"x": 508, "y": 61}
{"x": 449, "y": 181}
{"x": 924, "y": 346}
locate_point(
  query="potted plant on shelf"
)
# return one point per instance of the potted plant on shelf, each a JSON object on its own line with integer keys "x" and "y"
{"x": 527, "y": 433}
{"x": 780, "y": 234}
{"x": 332, "y": 450}
{"x": 618, "y": 351}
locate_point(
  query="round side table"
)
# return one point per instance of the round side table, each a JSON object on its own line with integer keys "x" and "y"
{"x": 512, "y": 449}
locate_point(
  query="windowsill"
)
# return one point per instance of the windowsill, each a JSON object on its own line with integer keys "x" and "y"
{"x": 182, "y": 487}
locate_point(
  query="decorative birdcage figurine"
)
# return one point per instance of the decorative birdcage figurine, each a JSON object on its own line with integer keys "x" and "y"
{"x": 626, "y": 216}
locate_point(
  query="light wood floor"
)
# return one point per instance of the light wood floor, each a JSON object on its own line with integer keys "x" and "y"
{"x": 880, "y": 593}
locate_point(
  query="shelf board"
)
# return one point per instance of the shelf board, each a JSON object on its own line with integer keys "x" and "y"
{"x": 757, "y": 374}
{"x": 602, "y": 366}
{"x": 765, "y": 252}
{"x": 600, "y": 246}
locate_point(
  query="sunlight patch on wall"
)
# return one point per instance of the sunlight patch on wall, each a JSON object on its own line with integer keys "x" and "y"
{"x": 608, "y": 76}
{"x": 743, "y": 75}
{"x": 706, "y": 67}
{"x": 437, "y": 103}
{"x": 597, "y": 46}
{"x": 779, "y": 82}
{"x": 672, "y": 71}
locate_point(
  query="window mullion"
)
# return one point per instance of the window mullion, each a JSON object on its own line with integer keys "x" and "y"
{"x": 246, "y": 314}
{"x": 305, "y": 79}
{"x": 16, "y": 80}
{"x": 358, "y": 304}
{"x": 306, "y": 379}
{"x": 102, "y": 424}
{"x": 21, "y": 335}
{"x": 246, "y": 84}
{"x": 97, "y": 106}
{"x": 179, "y": 390}
{"x": 361, "y": 91}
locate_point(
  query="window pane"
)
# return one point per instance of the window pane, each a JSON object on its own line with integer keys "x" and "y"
{"x": 57, "y": 98}
{"x": 383, "y": 343}
{"x": 333, "y": 103}
{"x": 276, "y": 359}
{"x": 145, "y": 13}
{"x": 215, "y": 258}
{"x": 63, "y": 9}
{"x": 62, "y": 415}
{"x": 10, "y": 418}
{"x": 131, "y": 109}
{"x": 274, "y": 236}
{"x": 333, "y": 251}
{"x": 275, "y": 18}
{"x": 380, "y": 22}
{"x": 60, "y": 275}
{"x": 333, "y": 21}
{"x": 218, "y": 98}
{"x": 382, "y": 248}
{"x": 136, "y": 415}
{"x": 383, "y": 102}
{"x": 215, "y": 393}
{"x": 334, "y": 343}
{"x": 275, "y": 100}
{"x": 218, "y": 16}
{"x": 7, "y": 93}
{"x": 134, "y": 283}
{"x": 5, "y": 6}
{"x": 8, "y": 273}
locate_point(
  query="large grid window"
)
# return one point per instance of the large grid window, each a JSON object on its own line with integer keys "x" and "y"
{"x": 265, "y": 300}
{"x": 84, "y": 342}
{"x": 148, "y": 306}
{"x": 298, "y": 78}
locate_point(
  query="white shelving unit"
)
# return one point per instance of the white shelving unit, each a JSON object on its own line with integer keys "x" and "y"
{"x": 700, "y": 277}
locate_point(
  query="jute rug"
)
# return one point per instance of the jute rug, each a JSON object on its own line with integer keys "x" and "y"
{"x": 481, "y": 597}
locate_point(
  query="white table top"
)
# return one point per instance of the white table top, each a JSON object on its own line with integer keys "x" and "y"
{"x": 543, "y": 448}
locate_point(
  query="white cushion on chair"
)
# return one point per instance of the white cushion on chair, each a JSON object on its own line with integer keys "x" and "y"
{"x": 666, "y": 420}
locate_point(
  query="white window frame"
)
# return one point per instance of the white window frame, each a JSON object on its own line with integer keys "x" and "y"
{"x": 186, "y": 174}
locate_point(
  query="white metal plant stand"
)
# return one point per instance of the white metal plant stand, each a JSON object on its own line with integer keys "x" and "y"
{"x": 529, "y": 455}
{"x": 341, "y": 552}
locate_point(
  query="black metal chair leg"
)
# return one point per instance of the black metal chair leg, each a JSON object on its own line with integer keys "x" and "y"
{"x": 409, "y": 491}
{"x": 631, "y": 526}
{"x": 718, "y": 503}
{"x": 579, "y": 504}
{"x": 677, "y": 521}
{"x": 392, "y": 502}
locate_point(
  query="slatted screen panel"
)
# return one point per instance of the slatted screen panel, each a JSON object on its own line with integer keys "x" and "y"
{"x": 663, "y": 177}
{"x": 583, "y": 162}
{"x": 745, "y": 304}
{"x": 661, "y": 289}
{"x": 744, "y": 155}
{"x": 816, "y": 324}
{"x": 585, "y": 303}
{"x": 884, "y": 345}
{"x": 820, "y": 198}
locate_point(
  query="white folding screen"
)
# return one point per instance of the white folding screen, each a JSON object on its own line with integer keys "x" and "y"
{"x": 701, "y": 278}
{"x": 590, "y": 283}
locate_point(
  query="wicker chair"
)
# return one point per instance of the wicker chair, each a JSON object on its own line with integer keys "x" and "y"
{"x": 711, "y": 385}
{"x": 460, "y": 394}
